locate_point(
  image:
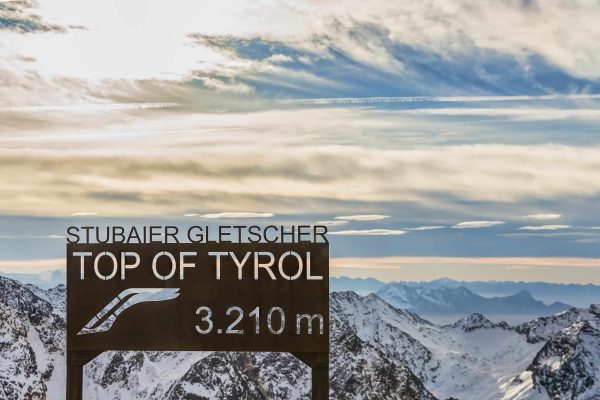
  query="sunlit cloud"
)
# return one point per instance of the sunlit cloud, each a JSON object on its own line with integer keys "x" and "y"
{"x": 332, "y": 223}
{"x": 522, "y": 113}
{"x": 543, "y": 227}
{"x": 476, "y": 224}
{"x": 438, "y": 99}
{"x": 86, "y": 107}
{"x": 409, "y": 268}
{"x": 426, "y": 228}
{"x": 361, "y": 217}
{"x": 542, "y": 216}
{"x": 369, "y": 232}
{"x": 519, "y": 267}
{"x": 164, "y": 164}
{"x": 31, "y": 266}
{"x": 21, "y": 237}
{"x": 401, "y": 261}
{"x": 237, "y": 215}
{"x": 83, "y": 214}
{"x": 223, "y": 86}
{"x": 551, "y": 234}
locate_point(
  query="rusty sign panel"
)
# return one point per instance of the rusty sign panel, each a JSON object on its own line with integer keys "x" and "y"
{"x": 198, "y": 296}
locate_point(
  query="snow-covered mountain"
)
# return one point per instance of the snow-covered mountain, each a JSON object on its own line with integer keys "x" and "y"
{"x": 44, "y": 280}
{"x": 442, "y": 303}
{"x": 32, "y": 342}
{"x": 377, "y": 352}
{"x": 577, "y": 295}
{"x": 362, "y": 286}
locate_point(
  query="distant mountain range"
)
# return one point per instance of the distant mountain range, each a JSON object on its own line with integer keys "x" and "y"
{"x": 446, "y": 304}
{"x": 362, "y": 286}
{"x": 446, "y": 300}
{"x": 377, "y": 352}
{"x": 574, "y": 294}
{"x": 45, "y": 280}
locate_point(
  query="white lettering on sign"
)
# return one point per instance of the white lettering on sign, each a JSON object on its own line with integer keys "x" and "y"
{"x": 114, "y": 263}
{"x": 124, "y": 264}
{"x": 155, "y": 265}
{"x": 165, "y": 265}
{"x": 264, "y": 261}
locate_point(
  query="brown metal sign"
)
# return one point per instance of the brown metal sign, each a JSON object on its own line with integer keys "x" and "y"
{"x": 198, "y": 297}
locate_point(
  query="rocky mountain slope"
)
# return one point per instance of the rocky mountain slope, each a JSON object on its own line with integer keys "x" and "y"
{"x": 32, "y": 342}
{"x": 377, "y": 352}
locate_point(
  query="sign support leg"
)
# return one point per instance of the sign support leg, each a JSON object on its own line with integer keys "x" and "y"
{"x": 319, "y": 364}
{"x": 75, "y": 363}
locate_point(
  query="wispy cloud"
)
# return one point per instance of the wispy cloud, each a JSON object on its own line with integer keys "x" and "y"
{"x": 31, "y": 266}
{"x": 83, "y": 214}
{"x": 369, "y": 232}
{"x": 426, "y": 228}
{"x": 332, "y": 223}
{"x": 544, "y": 227}
{"x": 519, "y": 267}
{"x": 85, "y": 107}
{"x": 394, "y": 268}
{"x": 362, "y": 217}
{"x": 517, "y": 113}
{"x": 227, "y": 85}
{"x": 542, "y": 216}
{"x": 476, "y": 224}
{"x": 20, "y": 237}
{"x": 237, "y": 215}
{"x": 436, "y": 99}
{"x": 110, "y": 168}
{"x": 551, "y": 234}
{"x": 399, "y": 261}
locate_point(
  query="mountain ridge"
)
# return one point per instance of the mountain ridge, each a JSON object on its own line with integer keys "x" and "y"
{"x": 377, "y": 351}
{"x": 578, "y": 295}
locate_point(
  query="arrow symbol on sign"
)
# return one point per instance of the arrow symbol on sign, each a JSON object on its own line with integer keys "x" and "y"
{"x": 105, "y": 319}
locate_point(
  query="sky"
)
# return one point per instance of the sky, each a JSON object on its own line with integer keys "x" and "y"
{"x": 435, "y": 138}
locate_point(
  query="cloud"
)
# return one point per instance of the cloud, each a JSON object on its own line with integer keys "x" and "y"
{"x": 369, "y": 232}
{"x": 521, "y": 113}
{"x": 31, "y": 266}
{"x": 227, "y": 86}
{"x": 399, "y": 261}
{"x": 415, "y": 268}
{"x": 476, "y": 224}
{"x": 426, "y": 228}
{"x": 436, "y": 99}
{"x": 542, "y": 216}
{"x": 21, "y": 17}
{"x": 83, "y": 214}
{"x": 237, "y": 215}
{"x": 280, "y": 58}
{"x": 362, "y": 217}
{"x": 127, "y": 45}
{"x": 21, "y": 237}
{"x": 332, "y": 223}
{"x": 372, "y": 34}
{"x": 86, "y": 107}
{"x": 519, "y": 267}
{"x": 549, "y": 235}
{"x": 544, "y": 227}
{"x": 274, "y": 162}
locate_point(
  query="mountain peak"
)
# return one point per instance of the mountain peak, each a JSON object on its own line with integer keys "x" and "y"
{"x": 473, "y": 322}
{"x": 524, "y": 295}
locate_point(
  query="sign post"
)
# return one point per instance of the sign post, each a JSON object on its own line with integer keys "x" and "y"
{"x": 198, "y": 297}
